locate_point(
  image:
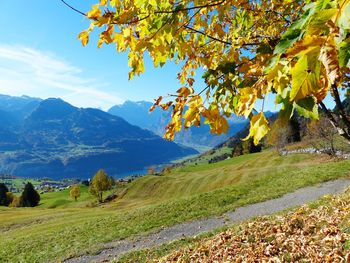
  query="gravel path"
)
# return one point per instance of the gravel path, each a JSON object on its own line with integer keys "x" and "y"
{"x": 115, "y": 249}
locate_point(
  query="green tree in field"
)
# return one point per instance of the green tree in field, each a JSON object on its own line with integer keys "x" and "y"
{"x": 75, "y": 192}
{"x": 30, "y": 196}
{"x": 4, "y": 200}
{"x": 100, "y": 183}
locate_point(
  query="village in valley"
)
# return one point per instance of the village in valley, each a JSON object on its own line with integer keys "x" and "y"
{"x": 42, "y": 185}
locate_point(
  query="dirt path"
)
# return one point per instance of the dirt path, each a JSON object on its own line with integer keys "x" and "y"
{"x": 115, "y": 249}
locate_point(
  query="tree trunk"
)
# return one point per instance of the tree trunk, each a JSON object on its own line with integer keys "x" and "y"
{"x": 335, "y": 120}
{"x": 100, "y": 199}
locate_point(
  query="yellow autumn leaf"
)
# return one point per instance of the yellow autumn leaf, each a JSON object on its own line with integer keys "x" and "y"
{"x": 192, "y": 115}
{"x": 84, "y": 37}
{"x": 329, "y": 58}
{"x": 277, "y": 77}
{"x": 246, "y": 101}
{"x": 119, "y": 41}
{"x": 126, "y": 33}
{"x": 185, "y": 92}
{"x": 259, "y": 127}
{"x": 174, "y": 126}
{"x": 115, "y": 3}
{"x": 166, "y": 106}
{"x": 305, "y": 76}
{"x": 106, "y": 36}
{"x": 306, "y": 45}
{"x": 218, "y": 124}
{"x": 94, "y": 13}
{"x": 152, "y": 3}
{"x": 103, "y": 2}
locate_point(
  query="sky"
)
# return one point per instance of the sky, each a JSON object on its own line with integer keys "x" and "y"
{"x": 40, "y": 56}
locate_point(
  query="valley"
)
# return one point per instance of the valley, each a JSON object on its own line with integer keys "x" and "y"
{"x": 51, "y": 138}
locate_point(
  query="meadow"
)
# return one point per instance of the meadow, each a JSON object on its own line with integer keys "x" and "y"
{"x": 60, "y": 228}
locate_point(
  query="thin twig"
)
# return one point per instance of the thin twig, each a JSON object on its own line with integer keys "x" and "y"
{"x": 209, "y": 36}
{"x": 188, "y": 8}
{"x": 71, "y": 7}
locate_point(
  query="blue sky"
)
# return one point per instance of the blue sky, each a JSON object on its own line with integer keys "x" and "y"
{"x": 40, "y": 56}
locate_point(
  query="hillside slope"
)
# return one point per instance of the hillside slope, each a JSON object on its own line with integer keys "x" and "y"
{"x": 154, "y": 202}
{"x": 193, "y": 179}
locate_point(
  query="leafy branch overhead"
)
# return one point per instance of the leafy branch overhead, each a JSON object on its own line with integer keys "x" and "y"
{"x": 297, "y": 50}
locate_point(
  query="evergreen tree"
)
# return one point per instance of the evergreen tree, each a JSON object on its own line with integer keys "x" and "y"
{"x": 30, "y": 196}
{"x": 295, "y": 130}
{"x": 250, "y": 147}
{"x": 4, "y": 201}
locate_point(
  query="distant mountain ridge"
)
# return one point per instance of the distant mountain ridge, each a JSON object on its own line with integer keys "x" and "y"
{"x": 51, "y": 138}
{"x": 137, "y": 114}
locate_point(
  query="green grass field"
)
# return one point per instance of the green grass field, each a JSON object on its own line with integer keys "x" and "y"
{"x": 63, "y": 200}
{"x": 70, "y": 228}
{"x": 205, "y": 156}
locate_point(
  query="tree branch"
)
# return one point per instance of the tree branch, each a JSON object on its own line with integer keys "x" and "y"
{"x": 335, "y": 95}
{"x": 335, "y": 122}
{"x": 209, "y": 36}
{"x": 74, "y": 9}
{"x": 189, "y": 8}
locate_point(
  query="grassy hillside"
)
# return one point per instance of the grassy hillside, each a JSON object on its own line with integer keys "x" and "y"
{"x": 148, "y": 203}
{"x": 201, "y": 178}
{"x": 63, "y": 200}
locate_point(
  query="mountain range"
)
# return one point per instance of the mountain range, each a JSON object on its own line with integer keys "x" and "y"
{"x": 51, "y": 138}
{"x": 200, "y": 138}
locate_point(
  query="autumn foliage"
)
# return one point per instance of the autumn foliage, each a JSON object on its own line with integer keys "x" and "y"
{"x": 303, "y": 235}
{"x": 99, "y": 184}
{"x": 75, "y": 192}
{"x": 296, "y": 50}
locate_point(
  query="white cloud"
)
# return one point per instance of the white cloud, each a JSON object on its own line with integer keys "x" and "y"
{"x": 26, "y": 71}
